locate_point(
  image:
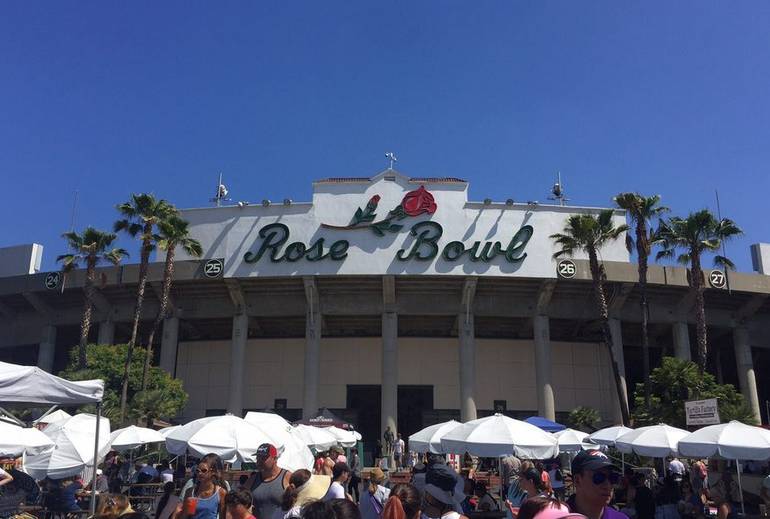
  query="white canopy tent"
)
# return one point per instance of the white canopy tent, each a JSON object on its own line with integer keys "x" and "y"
{"x": 16, "y": 441}
{"x": 132, "y": 437}
{"x": 32, "y": 385}
{"x": 734, "y": 440}
{"x": 429, "y": 439}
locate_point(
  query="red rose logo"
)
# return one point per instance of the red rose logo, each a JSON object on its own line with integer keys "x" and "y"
{"x": 418, "y": 202}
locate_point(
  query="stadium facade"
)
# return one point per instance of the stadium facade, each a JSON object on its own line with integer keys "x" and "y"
{"x": 396, "y": 301}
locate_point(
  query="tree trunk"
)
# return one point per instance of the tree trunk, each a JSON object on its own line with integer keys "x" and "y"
{"x": 642, "y": 250}
{"x": 601, "y": 305}
{"x": 85, "y": 324}
{"x": 700, "y": 309}
{"x": 143, "y": 267}
{"x": 168, "y": 274}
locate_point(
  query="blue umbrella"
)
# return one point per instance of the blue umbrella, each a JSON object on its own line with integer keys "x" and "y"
{"x": 545, "y": 424}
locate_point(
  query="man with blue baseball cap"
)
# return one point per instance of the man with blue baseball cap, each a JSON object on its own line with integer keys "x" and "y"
{"x": 594, "y": 477}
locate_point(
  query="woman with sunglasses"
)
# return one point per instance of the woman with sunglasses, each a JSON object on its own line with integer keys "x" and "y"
{"x": 206, "y": 499}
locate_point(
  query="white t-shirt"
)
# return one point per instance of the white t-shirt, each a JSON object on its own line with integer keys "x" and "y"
{"x": 167, "y": 476}
{"x": 336, "y": 491}
{"x": 398, "y": 448}
{"x": 676, "y": 467}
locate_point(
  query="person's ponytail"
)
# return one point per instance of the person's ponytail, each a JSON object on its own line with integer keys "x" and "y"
{"x": 289, "y": 497}
{"x": 394, "y": 509}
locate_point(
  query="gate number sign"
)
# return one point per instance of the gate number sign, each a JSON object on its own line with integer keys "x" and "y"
{"x": 213, "y": 268}
{"x": 566, "y": 269}
{"x": 717, "y": 279}
{"x": 52, "y": 280}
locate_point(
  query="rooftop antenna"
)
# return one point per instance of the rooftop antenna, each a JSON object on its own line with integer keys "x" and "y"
{"x": 221, "y": 193}
{"x": 558, "y": 191}
{"x": 392, "y": 158}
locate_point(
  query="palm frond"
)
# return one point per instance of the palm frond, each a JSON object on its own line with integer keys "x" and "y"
{"x": 723, "y": 262}
{"x": 664, "y": 254}
{"x": 684, "y": 259}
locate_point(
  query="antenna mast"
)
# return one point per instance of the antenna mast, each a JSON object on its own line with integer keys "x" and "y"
{"x": 221, "y": 193}
{"x": 558, "y": 191}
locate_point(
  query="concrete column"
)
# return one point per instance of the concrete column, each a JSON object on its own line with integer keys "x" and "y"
{"x": 745, "y": 364}
{"x": 312, "y": 364}
{"x": 47, "y": 348}
{"x": 617, "y": 348}
{"x": 106, "y": 332}
{"x": 681, "y": 341}
{"x": 389, "y": 398}
{"x": 545, "y": 401}
{"x": 237, "y": 361}
{"x": 169, "y": 343}
{"x": 467, "y": 367}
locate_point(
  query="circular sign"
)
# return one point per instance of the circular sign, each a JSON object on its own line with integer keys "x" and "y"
{"x": 717, "y": 279}
{"x": 213, "y": 268}
{"x": 52, "y": 280}
{"x": 566, "y": 269}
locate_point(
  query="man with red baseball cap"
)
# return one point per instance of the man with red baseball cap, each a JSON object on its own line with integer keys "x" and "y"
{"x": 267, "y": 485}
{"x": 594, "y": 477}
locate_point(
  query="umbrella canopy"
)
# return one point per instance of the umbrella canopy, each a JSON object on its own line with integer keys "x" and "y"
{"x": 429, "y": 439}
{"x": 571, "y": 440}
{"x": 545, "y": 424}
{"x": 267, "y": 420}
{"x": 15, "y": 440}
{"x": 168, "y": 430}
{"x": 56, "y": 416}
{"x": 655, "y": 441}
{"x": 235, "y": 439}
{"x": 318, "y": 438}
{"x": 73, "y": 452}
{"x": 133, "y": 437}
{"x": 733, "y": 440}
{"x": 608, "y": 435}
{"x": 344, "y": 438}
{"x": 294, "y": 454}
{"x": 499, "y": 435}
{"x": 32, "y": 385}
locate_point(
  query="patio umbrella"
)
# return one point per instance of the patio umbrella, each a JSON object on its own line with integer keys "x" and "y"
{"x": 132, "y": 437}
{"x": 54, "y": 417}
{"x": 168, "y": 430}
{"x": 318, "y": 438}
{"x": 733, "y": 440}
{"x": 344, "y": 438}
{"x": 545, "y": 424}
{"x": 654, "y": 441}
{"x": 73, "y": 451}
{"x": 294, "y": 454}
{"x": 267, "y": 420}
{"x": 15, "y": 440}
{"x": 497, "y": 435}
{"x": 608, "y": 435}
{"x": 571, "y": 440}
{"x": 429, "y": 439}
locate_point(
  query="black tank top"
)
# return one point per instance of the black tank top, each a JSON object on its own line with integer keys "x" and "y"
{"x": 267, "y": 495}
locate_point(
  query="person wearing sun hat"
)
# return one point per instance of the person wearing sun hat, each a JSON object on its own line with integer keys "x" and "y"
{"x": 374, "y": 495}
{"x": 594, "y": 477}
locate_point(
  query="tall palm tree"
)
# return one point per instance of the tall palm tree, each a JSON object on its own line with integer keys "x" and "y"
{"x": 90, "y": 248}
{"x": 699, "y": 233}
{"x": 588, "y": 233}
{"x": 641, "y": 210}
{"x": 141, "y": 215}
{"x": 173, "y": 233}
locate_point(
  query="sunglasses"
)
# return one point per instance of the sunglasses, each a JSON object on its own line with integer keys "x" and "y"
{"x": 200, "y": 470}
{"x": 601, "y": 477}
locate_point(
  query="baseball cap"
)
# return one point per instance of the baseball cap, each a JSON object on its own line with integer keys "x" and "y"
{"x": 267, "y": 450}
{"x": 592, "y": 460}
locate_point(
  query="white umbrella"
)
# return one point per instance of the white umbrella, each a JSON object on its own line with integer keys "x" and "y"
{"x": 608, "y": 435}
{"x": 73, "y": 452}
{"x": 344, "y": 438}
{"x": 654, "y": 441}
{"x": 571, "y": 440}
{"x": 498, "y": 435}
{"x": 317, "y": 438}
{"x": 54, "y": 417}
{"x": 168, "y": 430}
{"x": 293, "y": 453}
{"x": 734, "y": 440}
{"x": 132, "y": 437}
{"x": 429, "y": 439}
{"x": 15, "y": 440}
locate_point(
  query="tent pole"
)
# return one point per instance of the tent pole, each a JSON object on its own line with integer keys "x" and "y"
{"x": 96, "y": 456}
{"x": 740, "y": 487}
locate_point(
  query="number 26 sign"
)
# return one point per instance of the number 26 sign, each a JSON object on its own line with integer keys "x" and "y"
{"x": 566, "y": 269}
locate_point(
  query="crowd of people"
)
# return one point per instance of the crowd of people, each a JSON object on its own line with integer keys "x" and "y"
{"x": 339, "y": 488}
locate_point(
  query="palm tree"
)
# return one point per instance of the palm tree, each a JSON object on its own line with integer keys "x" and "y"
{"x": 173, "y": 233}
{"x": 641, "y": 209}
{"x": 699, "y": 233}
{"x": 588, "y": 233}
{"x": 91, "y": 247}
{"x": 141, "y": 215}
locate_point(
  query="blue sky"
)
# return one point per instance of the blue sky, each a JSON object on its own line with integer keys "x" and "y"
{"x": 111, "y": 98}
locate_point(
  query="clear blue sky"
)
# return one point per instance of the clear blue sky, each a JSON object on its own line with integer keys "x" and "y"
{"x": 110, "y": 98}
